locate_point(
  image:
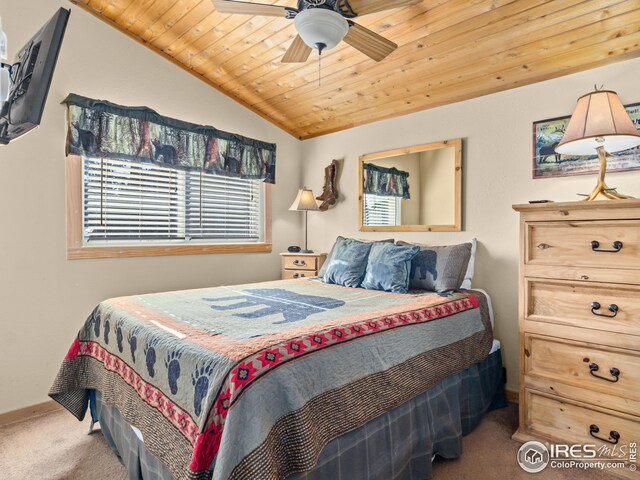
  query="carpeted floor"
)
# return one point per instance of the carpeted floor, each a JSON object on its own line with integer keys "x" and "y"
{"x": 56, "y": 446}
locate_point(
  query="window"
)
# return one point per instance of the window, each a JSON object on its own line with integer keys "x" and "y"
{"x": 126, "y": 202}
{"x": 381, "y": 210}
{"x": 137, "y": 209}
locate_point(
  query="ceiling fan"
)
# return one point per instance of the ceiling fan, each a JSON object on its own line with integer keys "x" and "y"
{"x": 322, "y": 24}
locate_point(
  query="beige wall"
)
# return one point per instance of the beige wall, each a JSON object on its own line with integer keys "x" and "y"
{"x": 497, "y": 163}
{"x": 43, "y": 297}
{"x": 438, "y": 177}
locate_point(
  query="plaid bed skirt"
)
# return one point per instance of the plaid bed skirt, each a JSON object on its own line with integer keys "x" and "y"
{"x": 398, "y": 445}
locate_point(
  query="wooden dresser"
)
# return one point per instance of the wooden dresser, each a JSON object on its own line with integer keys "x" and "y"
{"x": 299, "y": 265}
{"x": 579, "y": 320}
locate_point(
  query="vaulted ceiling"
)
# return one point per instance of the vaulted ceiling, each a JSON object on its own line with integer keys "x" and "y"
{"x": 449, "y": 50}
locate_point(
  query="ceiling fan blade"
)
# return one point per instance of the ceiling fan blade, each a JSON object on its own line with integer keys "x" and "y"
{"x": 363, "y": 7}
{"x": 368, "y": 42}
{"x": 298, "y": 52}
{"x": 249, "y": 8}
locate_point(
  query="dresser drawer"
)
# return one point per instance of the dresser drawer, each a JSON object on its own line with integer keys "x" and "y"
{"x": 287, "y": 274}
{"x": 583, "y": 365}
{"x": 300, "y": 263}
{"x": 570, "y": 243}
{"x": 570, "y": 303}
{"x": 571, "y": 422}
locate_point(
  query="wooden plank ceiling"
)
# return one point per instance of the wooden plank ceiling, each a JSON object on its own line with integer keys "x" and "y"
{"x": 449, "y": 50}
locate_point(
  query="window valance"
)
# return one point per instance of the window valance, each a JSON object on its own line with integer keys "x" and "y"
{"x": 386, "y": 182}
{"x": 98, "y": 128}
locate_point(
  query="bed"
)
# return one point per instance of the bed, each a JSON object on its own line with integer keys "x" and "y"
{"x": 287, "y": 379}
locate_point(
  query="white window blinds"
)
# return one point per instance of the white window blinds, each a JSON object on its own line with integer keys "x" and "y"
{"x": 126, "y": 202}
{"x": 381, "y": 210}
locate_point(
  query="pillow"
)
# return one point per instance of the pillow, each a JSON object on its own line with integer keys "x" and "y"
{"x": 466, "y": 283}
{"x": 388, "y": 267}
{"x": 440, "y": 269}
{"x": 323, "y": 269}
{"x": 348, "y": 263}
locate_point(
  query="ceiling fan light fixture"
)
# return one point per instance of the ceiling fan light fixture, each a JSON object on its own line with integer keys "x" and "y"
{"x": 319, "y": 26}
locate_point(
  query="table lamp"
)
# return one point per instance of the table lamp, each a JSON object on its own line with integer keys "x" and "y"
{"x": 304, "y": 202}
{"x": 601, "y": 123}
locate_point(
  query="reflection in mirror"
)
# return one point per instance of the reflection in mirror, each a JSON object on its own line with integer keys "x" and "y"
{"x": 417, "y": 188}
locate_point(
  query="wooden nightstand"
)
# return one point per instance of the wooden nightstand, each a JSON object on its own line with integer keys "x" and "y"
{"x": 299, "y": 265}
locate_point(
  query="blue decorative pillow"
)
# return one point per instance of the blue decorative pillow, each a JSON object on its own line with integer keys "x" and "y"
{"x": 389, "y": 267}
{"x": 348, "y": 263}
{"x": 338, "y": 241}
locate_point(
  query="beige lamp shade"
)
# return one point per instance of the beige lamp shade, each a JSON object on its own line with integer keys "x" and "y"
{"x": 599, "y": 120}
{"x": 304, "y": 201}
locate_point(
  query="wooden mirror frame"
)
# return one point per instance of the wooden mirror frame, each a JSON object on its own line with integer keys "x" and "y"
{"x": 455, "y": 227}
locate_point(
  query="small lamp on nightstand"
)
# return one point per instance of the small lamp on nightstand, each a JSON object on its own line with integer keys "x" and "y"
{"x": 599, "y": 123}
{"x": 304, "y": 202}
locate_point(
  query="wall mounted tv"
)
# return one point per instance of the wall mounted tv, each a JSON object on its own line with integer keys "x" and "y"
{"x": 30, "y": 79}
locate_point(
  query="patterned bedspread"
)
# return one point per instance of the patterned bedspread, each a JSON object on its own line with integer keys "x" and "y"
{"x": 253, "y": 381}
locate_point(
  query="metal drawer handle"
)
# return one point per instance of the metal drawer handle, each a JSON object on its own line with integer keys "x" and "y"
{"x": 298, "y": 275}
{"x": 613, "y": 308}
{"x": 299, "y": 262}
{"x": 617, "y": 246}
{"x": 615, "y": 373}
{"x": 593, "y": 429}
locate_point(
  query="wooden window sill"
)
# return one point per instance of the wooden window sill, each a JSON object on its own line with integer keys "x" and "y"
{"x": 82, "y": 253}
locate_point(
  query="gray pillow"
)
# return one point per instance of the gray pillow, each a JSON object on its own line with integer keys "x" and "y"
{"x": 348, "y": 263}
{"x": 323, "y": 269}
{"x": 466, "y": 283}
{"x": 439, "y": 269}
{"x": 388, "y": 267}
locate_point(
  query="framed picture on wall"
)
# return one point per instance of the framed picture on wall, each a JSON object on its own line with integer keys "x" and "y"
{"x": 547, "y": 163}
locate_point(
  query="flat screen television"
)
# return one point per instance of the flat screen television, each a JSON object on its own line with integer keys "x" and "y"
{"x": 30, "y": 79}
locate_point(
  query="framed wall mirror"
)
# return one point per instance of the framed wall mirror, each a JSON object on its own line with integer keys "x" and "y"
{"x": 412, "y": 189}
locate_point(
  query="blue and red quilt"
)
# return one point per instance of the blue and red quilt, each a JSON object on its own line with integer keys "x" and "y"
{"x": 252, "y": 381}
